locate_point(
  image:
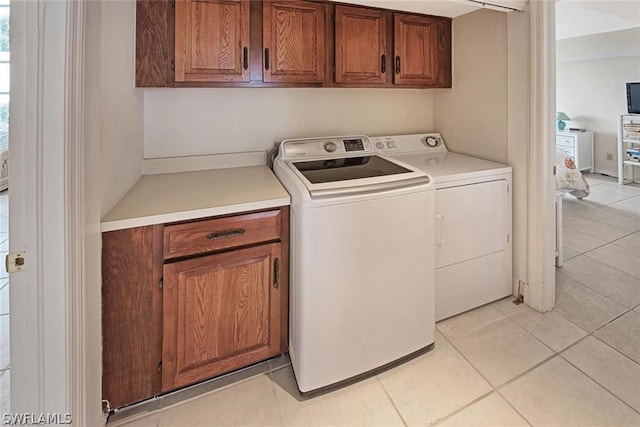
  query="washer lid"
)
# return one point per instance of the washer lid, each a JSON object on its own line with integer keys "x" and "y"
{"x": 347, "y": 168}
{"x": 355, "y": 175}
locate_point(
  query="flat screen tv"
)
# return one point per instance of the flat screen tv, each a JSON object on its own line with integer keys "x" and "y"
{"x": 633, "y": 98}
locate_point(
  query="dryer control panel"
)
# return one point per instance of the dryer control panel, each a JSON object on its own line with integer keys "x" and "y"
{"x": 431, "y": 142}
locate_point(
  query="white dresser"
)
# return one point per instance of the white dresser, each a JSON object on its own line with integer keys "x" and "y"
{"x": 578, "y": 145}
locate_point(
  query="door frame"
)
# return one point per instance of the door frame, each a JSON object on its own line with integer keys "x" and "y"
{"x": 540, "y": 290}
{"x": 49, "y": 370}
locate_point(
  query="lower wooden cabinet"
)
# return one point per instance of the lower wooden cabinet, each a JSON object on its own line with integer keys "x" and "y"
{"x": 131, "y": 314}
{"x": 169, "y": 322}
{"x": 220, "y": 312}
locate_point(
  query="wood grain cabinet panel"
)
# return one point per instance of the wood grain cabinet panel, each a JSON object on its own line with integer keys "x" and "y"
{"x": 154, "y": 35}
{"x": 360, "y": 45}
{"x": 174, "y": 314}
{"x": 422, "y": 48}
{"x": 195, "y": 237}
{"x": 131, "y": 314}
{"x": 221, "y": 312}
{"x": 212, "y": 40}
{"x": 293, "y": 41}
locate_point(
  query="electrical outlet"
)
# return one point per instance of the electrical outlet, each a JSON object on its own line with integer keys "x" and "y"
{"x": 609, "y": 156}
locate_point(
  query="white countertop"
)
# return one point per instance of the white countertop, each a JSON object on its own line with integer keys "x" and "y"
{"x": 169, "y": 197}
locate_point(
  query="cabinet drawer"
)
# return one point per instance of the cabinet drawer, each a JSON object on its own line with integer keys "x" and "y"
{"x": 210, "y": 235}
{"x": 565, "y": 140}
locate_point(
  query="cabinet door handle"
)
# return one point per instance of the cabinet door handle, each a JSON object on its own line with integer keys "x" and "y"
{"x": 383, "y": 62}
{"x": 245, "y": 58}
{"x": 276, "y": 273}
{"x": 227, "y": 233}
{"x": 397, "y": 64}
{"x": 266, "y": 59}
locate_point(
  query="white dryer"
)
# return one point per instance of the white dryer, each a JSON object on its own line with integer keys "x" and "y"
{"x": 473, "y": 201}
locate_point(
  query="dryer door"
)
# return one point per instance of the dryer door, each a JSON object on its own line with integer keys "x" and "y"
{"x": 471, "y": 221}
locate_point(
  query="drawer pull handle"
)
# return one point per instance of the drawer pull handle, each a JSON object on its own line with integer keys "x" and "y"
{"x": 228, "y": 233}
{"x": 276, "y": 273}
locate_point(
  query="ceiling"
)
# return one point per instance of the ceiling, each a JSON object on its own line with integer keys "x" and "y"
{"x": 450, "y": 8}
{"x": 576, "y": 18}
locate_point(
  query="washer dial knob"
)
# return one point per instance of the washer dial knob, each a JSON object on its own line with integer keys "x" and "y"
{"x": 391, "y": 144}
{"x": 430, "y": 141}
{"x": 380, "y": 145}
{"x": 330, "y": 146}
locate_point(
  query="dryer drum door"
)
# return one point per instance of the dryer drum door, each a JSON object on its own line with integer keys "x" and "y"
{"x": 471, "y": 221}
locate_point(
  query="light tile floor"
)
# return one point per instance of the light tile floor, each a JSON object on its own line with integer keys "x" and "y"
{"x": 500, "y": 364}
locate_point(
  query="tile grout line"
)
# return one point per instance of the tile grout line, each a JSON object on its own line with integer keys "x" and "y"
{"x": 592, "y": 335}
{"x": 393, "y": 403}
{"x": 615, "y": 396}
{"x": 275, "y": 397}
{"x": 497, "y": 388}
{"x": 599, "y": 294}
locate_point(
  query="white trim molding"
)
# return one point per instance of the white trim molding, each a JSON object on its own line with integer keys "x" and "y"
{"x": 74, "y": 212}
{"x": 25, "y": 122}
{"x": 540, "y": 292}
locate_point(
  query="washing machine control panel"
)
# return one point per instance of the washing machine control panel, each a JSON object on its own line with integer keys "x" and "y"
{"x": 323, "y": 147}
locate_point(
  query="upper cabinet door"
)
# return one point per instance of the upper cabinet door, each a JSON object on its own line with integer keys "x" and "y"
{"x": 422, "y": 49}
{"x": 293, "y": 41}
{"x": 212, "y": 41}
{"x": 360, "y": 45}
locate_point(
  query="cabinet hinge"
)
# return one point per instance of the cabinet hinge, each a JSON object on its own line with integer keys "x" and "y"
{"x": 160, "y": 366}
{"x": 173, "y": 65}
{"x": 333, "y": 18}
{"x": 160, "y": 283}
{"x": 333, "y": 69}
{"x": 508, "y": 187}
{"x": 173, "y": 4}
{"x": 508, "y": 237}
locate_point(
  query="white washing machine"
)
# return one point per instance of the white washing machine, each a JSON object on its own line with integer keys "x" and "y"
{"x": 473, "y": 246}
{"x": 362, "y": 259}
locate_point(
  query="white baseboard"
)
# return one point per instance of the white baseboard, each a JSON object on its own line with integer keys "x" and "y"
{"x": 613, "y": 174}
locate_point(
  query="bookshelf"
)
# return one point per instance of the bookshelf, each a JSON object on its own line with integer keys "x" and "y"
{"x": 628, "y": 138}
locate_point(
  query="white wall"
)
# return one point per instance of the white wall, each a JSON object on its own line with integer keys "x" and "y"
{"x": 472, "y": 116}
{"x": 121, "y": 106}
{"x": 591, "y": 76}
{"x": 518, "y": 83}
{"x": 180, "y": 122}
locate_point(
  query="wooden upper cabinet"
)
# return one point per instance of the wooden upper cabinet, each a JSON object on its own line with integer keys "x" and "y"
{"x": 212, "y": 40}
{"x": 293, "y": 41}
{"x": 360, "y": 45}
{"x": 422, "y": 48}
{"x": 220, "y": 312}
